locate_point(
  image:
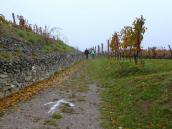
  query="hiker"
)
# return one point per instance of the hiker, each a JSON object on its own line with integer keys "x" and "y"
{"x": 86, "y": 53}
{"x": 93, "y": 53}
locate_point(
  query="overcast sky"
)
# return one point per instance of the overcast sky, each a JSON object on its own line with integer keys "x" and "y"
{"x": 85, "y": 23}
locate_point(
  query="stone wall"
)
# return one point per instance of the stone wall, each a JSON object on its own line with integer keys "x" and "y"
{"x": 15, "y": 75}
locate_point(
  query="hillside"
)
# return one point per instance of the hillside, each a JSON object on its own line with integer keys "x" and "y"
{"x": 18, "y": 43}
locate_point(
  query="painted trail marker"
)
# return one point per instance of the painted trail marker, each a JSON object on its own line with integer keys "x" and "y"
{"x": 56, "y": 104}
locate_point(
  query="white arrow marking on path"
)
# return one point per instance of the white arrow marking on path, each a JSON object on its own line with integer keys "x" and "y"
{"x": 57, "y": 104}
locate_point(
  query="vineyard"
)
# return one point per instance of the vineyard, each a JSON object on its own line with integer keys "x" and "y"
{"x": 23, "y": 24}
{"x": 127, "y": 44}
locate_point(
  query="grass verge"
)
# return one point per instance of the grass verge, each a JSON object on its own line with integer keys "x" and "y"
{"x": 135, "y": 97}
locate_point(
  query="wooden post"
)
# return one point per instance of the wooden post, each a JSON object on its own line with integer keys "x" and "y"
{"x": 164, "y": 52}
{"x": 45, "y": 31}
{"x": 36, "y": 29}
{"x": 98, "y": 49}
{"x": 149, "y": 53}
{"x": 102, "y": 47}
{"x": 170, "y": 50}
{"x": 40, "y": 30}
{"x": 108, "y": 47}
{"x": 14, "y": 20}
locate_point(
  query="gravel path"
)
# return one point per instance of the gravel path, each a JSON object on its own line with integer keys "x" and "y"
{"x": 33, "y": 114}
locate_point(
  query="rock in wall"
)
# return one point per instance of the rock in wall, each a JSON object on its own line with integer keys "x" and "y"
{"x": 15, "y": 75}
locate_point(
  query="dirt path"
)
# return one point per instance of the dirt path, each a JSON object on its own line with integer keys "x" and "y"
{"x": 79, "y": 90}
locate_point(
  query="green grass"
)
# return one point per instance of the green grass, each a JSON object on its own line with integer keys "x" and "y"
{"x": 57, "y": 46}
{"x": 77, "y": 85}
{"x": 51, "y": 122}
{"x": 6, "y": 55}
{"x": 135, "y": 97}
{"x": 57, "y": 116}
{"x": 67, "y": 109}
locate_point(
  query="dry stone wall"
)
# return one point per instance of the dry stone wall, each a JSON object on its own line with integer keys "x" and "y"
{"x": 15, "y": 75}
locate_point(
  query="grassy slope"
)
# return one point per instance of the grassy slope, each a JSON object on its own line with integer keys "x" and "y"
{"x": 135, "y": 97}
{"x": 31, "y": 39}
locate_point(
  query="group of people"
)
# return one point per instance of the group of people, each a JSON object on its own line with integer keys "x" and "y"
{"x": 92, "y": 52}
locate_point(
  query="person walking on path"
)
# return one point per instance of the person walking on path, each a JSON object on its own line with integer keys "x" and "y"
{"x": 93, "y": 53}
{"x": 86, "y": 53}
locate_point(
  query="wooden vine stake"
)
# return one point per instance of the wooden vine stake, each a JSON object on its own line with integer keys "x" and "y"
{"x": 14, "y": 20}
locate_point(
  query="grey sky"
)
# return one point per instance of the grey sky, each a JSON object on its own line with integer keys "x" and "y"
{"x": 86, "y": 23}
